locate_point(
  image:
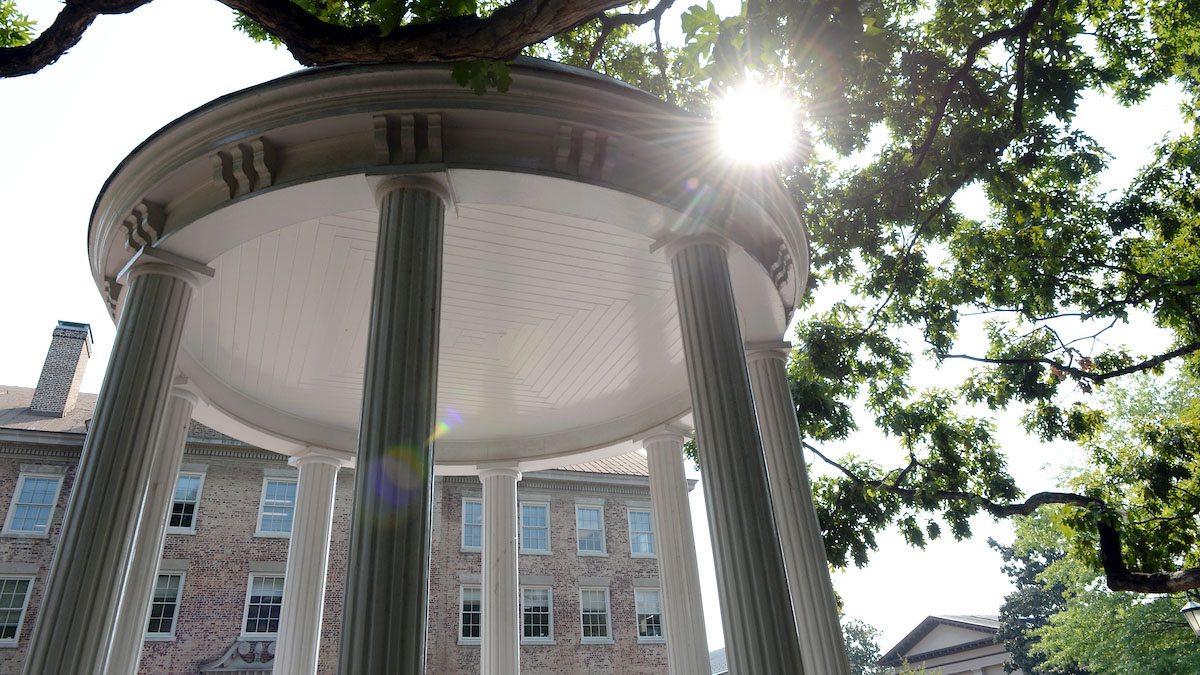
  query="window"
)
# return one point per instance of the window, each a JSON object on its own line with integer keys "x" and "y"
{"x": 263, "y": 600}
{"x": 535, "y": 527}
{"x": 277, "y": 508}
{"x": 186, "y": 501}
{"x": 641, "y": 533}
{"x": 537, "y": 615}
{"x": 593, "y": 614}
{"x": 472, "y": 525}
{"x": 164, "y": 606}
{"x": 14, "y": 598}
{"x": 648, "y": 605}
{"x": 33, "y": 504}
{"x": 589, "y": 529}
{"x": 470, "y": 617}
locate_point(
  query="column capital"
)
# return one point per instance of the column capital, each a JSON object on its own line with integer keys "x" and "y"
{"x": 668, "y": 433}
{"x": 438, "y": 184}
{"x": 768, "y": 350}
{"x": 150, "y": 260}
{"x": 501, "y": 469}
{"x": 313, "y": 454}
{"x": 673, "y": 244}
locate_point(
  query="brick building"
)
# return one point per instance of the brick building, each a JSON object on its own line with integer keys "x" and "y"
{"x": 588, "y": 573}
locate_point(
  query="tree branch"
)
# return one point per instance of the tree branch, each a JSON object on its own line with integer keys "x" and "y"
{"x": 1117, "y": 574}
{"x": 1080, "y": 373}
{"x": 610, "y": 22}
{"x": 500, "y": 36}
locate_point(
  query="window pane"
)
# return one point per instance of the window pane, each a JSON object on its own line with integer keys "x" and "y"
{"x": 34, "y": 503}
{"x": 641, "y": 533}
{"x": 12, "y": 602}
{"x": 164, "y": 604}
{"x": 472, "y": 612}
{"x": 534, "y": 515}
{"x": 262, "y": 611}
{"x": 535, "y": 528}
{"x": 588, "y": 518}
{"x": 187, "y": 488}
{"x": 594, "y": 613}
{"x": 279, "y": 506}
{"x": 472, "y": 524}
{"x": 535, "y": 605}
{"x": 591, "y": 540}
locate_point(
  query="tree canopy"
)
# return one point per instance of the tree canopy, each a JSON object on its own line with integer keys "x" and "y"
{"x": 906, "y": 105}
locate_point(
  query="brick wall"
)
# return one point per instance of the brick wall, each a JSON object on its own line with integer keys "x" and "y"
{"x": 220, "y": 554}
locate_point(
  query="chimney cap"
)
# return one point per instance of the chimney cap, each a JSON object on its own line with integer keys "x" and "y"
{"x": 79, "y": 327}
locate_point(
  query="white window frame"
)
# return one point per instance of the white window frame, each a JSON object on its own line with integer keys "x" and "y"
{"x": 521, "y": 527}
{"x": 603, "y": 552}
{"x": 196, "y": 511}
{"x": 462, "y": 540}
{"x": 637, "y": 624}
{"x": 550, "y": 597}
{"x": 461, "y": 592}
{"x": 170, "y": 636}
{"x": 583, "y": 639}
{"x": 262, "y": 502}
{"x": 653, "y": 535}
{"x": 24, "y": 606}
{"x": 12, "y": 505}
{"x": 246, "y": 606}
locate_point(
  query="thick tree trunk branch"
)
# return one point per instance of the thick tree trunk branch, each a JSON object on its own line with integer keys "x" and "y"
{"x": 500, "y": 36}
{"x": 1117, "y": 574}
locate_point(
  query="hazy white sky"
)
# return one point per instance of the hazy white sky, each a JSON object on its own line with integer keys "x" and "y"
{"x": 67, "y": 127}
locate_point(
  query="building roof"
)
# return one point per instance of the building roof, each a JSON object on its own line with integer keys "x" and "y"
{"x": 718, "y": 662}
{"x": 15, "y": 413}
{"x": 986, "y": 625}
{"x": 629, "y": 464}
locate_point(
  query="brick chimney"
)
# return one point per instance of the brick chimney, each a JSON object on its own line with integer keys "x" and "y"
{"x": 58, "y": 387}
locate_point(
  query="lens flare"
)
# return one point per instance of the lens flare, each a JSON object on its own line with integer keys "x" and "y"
{"x": 443, "y": 426}
{"x": 756, "y": 122}
{"x": 398, "y": 476}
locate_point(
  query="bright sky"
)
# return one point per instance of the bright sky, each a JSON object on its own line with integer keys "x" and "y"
{"x": 68, "y": 127}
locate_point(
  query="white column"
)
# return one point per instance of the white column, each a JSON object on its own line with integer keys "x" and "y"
{"x": 678, "y": 573}
{"x": 500, "y": 651}
{"x": 78, "y": 615}
{"x": 308, "y": 561}
{"x": 126, "y": 650}
{"x": 387, "y": 576}
{"x": 760, "y": 630}
{"x": 821, "y": 640}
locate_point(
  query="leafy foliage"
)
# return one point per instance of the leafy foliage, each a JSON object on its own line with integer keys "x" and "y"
{"x": 16, "y": 29}
{"x": 862, "y": 647}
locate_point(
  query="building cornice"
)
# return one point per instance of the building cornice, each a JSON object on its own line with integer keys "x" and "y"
{"x": 602, "y": 483}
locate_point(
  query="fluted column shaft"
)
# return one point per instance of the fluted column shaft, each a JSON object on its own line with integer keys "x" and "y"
{"x": 760, "y": 630}
{"x": 307, "y": 563}
{"x": 820, "y": 629}
{"x": 387, "y": 586}
{"x": 500, "y": 651}
{"x": 678, "y": 572}
{"x": 126, "y": 651}
{"x": 78, "y": 615}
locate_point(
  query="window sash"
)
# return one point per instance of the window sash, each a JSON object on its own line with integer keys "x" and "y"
{"x": 594, "y": 614}
{"x": 185, "y": 502}
{"x": 648, "y": 607}
{"x": 164, "y": 605}
{"x": 264, "y": 598}
{"x": 641, "y": 533}
{"x": 14, "y": 601}
{"x": 33, "y": 503}
{"x": 589, "y": 529}
{"x": 535, "y": 527}
{"x": 472, "y": 524}
{"x": 278, "y": 506}
{"x": 470, "y": 613}
{"x": 537, "y": 614}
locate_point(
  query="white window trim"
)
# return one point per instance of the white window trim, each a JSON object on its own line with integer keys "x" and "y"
{"x": 462, "y": 534}
{"x": 170, "y": 637}
{"x": 607, "y": 613}
{"x": 550, "y": 595}
{"x": 603, "y": 552}
{"x": 521, "y": 528}
{"x": 637, "y": 628}
{"x": 468, "y": 640}
{"x": 246, "y": 607}
{"x": 654, "y": 535}
{"x": 199, "y": 496}
{"x": 262, "y": 502}
{"x": 24, "y": 607}
{"x": 12, "y": 506}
